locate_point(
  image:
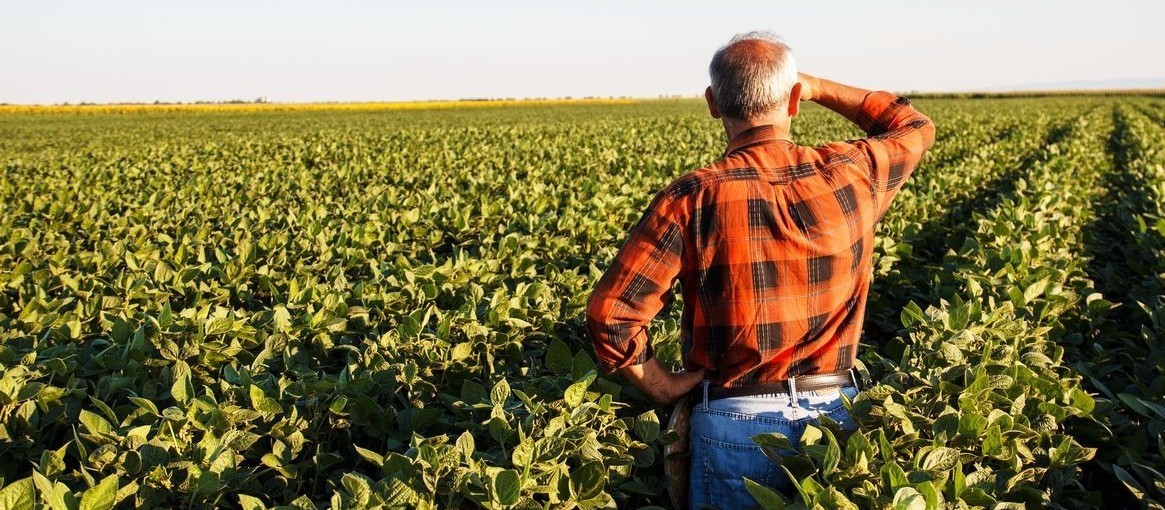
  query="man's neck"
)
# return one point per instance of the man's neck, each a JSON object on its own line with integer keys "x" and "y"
{"x": 734, "y": 127}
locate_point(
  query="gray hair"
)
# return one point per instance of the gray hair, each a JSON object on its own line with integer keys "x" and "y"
{"x": 752, "y": 75}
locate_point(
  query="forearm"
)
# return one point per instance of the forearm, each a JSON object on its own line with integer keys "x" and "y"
{"x": 874, "y": 112}
{"x": 660, "y": 385}
{"x": 843, "y": 99}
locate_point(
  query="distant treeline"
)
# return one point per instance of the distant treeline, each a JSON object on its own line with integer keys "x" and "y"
{"x": 1036, "y": 93}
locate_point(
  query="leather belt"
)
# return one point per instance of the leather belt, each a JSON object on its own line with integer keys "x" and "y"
{"x": 812, "y": 382}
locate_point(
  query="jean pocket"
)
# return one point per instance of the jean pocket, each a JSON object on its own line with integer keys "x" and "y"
{"x": 725, "y": 465}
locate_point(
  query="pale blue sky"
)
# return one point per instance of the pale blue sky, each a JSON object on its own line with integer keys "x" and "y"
{"x": 345, "y": 50}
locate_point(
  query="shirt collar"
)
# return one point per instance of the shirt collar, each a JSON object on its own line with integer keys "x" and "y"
{"x": 755, "y": 135}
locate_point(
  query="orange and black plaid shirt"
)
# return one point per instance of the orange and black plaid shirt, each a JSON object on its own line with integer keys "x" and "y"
{"x": 772, "y": 246}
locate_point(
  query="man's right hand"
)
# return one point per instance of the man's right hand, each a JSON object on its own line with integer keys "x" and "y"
{"x": 807, "y": 86}
{"x": 660, "y": 385}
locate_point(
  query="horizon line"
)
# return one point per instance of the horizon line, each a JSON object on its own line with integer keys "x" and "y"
{"x": 262, "y": 100}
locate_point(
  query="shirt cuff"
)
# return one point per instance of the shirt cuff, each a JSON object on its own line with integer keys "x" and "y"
{"x": 610, "y": 366}
{"x": 879, "y": 110}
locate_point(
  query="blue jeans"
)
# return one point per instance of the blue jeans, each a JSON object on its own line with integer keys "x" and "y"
{"x": 723, "y": 452}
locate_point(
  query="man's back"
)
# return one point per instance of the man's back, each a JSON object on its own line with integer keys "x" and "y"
{"x": 772, "y": 246}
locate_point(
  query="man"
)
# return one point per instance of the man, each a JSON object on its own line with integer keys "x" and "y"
{"x": 772, "y": 246}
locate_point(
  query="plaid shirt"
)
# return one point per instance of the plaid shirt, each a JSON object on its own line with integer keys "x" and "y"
{"x": 772, "y": 246}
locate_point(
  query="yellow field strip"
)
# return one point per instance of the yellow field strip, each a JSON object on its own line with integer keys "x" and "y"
{"x": 294, "y": 107}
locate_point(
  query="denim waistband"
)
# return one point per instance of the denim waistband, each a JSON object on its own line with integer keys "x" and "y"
{"x": 791, "y": 396}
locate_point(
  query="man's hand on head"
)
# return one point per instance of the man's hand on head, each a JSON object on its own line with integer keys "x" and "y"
{"x": 660, "y": 385}
{"x": 807, "y": 86}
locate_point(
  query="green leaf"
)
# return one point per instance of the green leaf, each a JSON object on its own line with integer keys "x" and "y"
{"x": 940, "y": 459}
{"x": 357, "y": 486}
{"x": 929, "y": 494}
{"x": 370, "y": 456}
{"x": 400, "y": 495}
{"x": 971, "y": 425}
{"x": 500, "y": 392}
{"x": 975, "y": 496}
{"x": 19, "y": 495}
{"x": 766, "y": 497}
{"x": 104, "y": 408}
{"x": 1081, "y": 400}
{"x": 409, "y": 328}
{"x": 1129, "y": 481}
{"x": 219, "y": 326}
{"x": 893, "y": 476}
{"x": 271, "y": 460}
{"x": 1068, "y": 453}
{"x": 472, "y": 392}
{"x": 832, "y": 454}
{"x": 303, "y": 503}
{"x": 507, "y": 487}
{"x": 993, "y": 442}
{"x": 269, "y": 406}
{"x": 1035, "y": 290}
{"x": 911, "y": 315}
{"x": 647, "y": 426}
{"x": 958, "y": 482}
{"x": 102, "y": 496}
{"x": 523, "y": 454}
{"x": 462, "y": 351}
{"x": 52, "y": 462}
{"x": 558, "y": 357}
{"x": 774, "y": 445}
{"x": 856, "y": 445}
{"x": 466, "y": 444}
{"x": 1016, "y": 297}
{"x": 145, "y": 404}
{"x": 51, "y": 493}
{"x": 907, "y": 498}
{"x": 577, "y": 392}
{"x": 94, "y": 423}
{"x": 588, "y": 480}
{"x": 774, "y": 440}
{"x": 282, "y": 320}
{"x": 811, "y": 435}
{"x": 182, "y": 389}
{"x": 884, "y": 448}
{"x": 339, "y": 405}
{"x": 582, "y": 364}
{"x": 251, "y": 503}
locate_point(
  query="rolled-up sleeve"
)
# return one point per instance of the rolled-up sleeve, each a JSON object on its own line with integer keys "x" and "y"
{"x": 897, "y": 137}
{"x": 635, "y": 288}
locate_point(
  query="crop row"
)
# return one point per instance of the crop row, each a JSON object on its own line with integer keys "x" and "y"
{"x": 1118, "y": 348}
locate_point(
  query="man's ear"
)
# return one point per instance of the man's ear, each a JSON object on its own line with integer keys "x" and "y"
{"x": 795, "y": 100}
{"x": 712, "y": 109}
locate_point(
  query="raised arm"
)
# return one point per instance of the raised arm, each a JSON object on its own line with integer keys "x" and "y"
{"x": 875, "y": 112}
{"x": 897, "y": 134}
{"x": 843, "y": 99}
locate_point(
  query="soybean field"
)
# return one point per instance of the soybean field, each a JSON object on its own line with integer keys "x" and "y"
{"x": 370, "y": 307}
